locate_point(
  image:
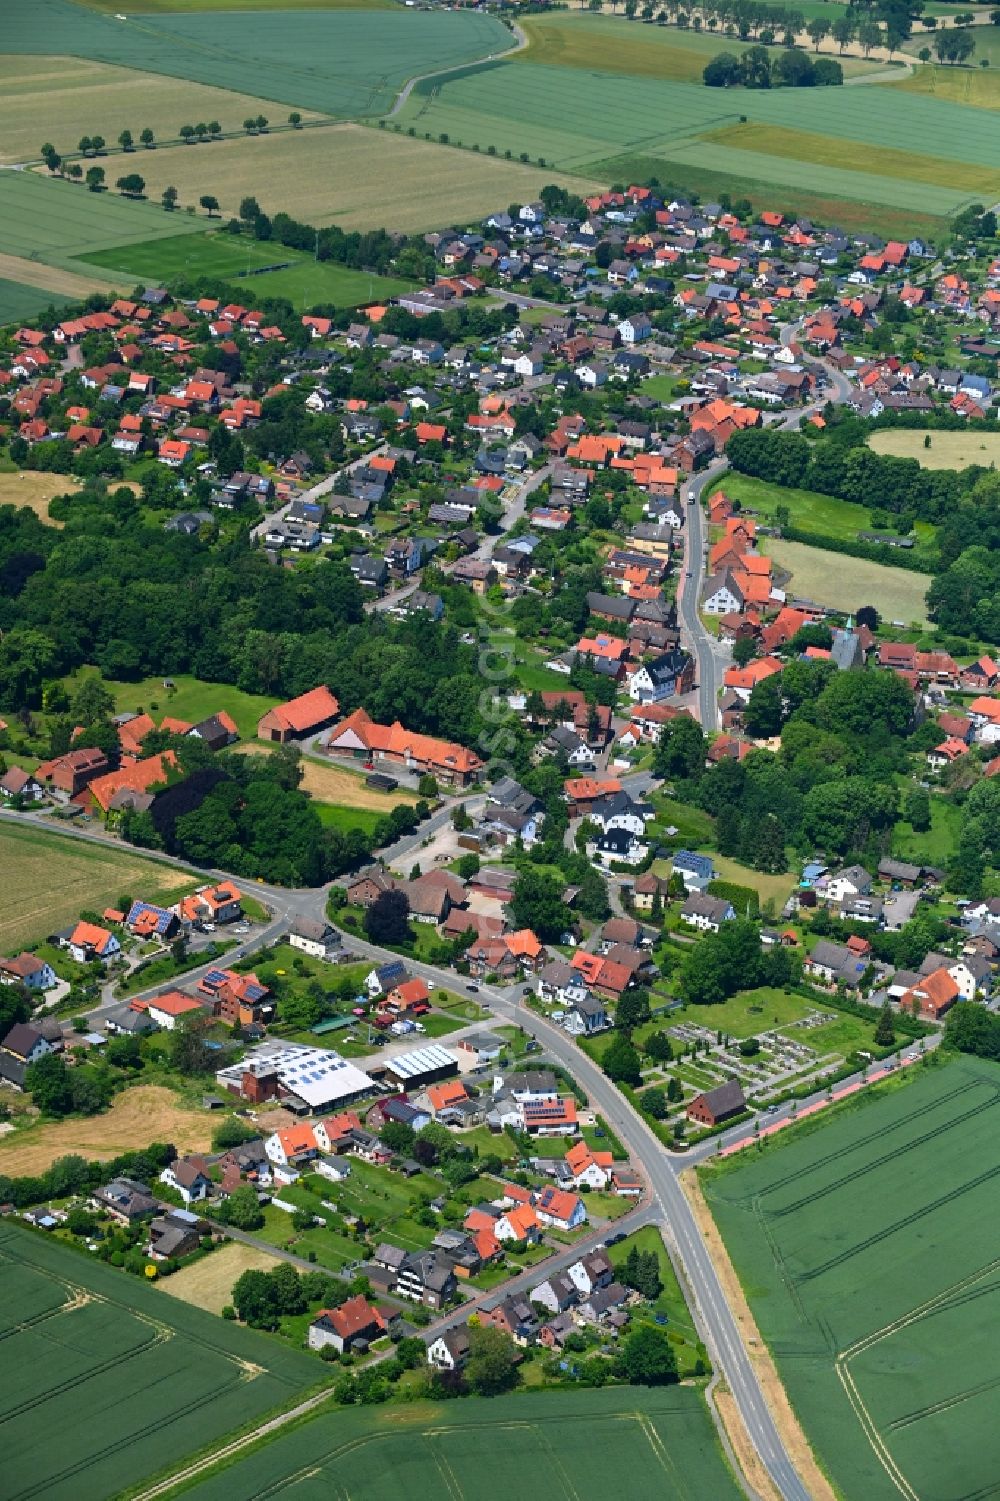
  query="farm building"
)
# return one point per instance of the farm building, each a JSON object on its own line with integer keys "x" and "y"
{"x": 300, "y": 716}
{"x": 302, "y": 1077}
{"x": 422, "y": 1066}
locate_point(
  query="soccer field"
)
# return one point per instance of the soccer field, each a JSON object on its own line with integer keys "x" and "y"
{"x": 867, "y": 1248}
{"x": 564, "y": 1446}
{"x": 244, "y": 264}
{"x": 104, "y": 1381}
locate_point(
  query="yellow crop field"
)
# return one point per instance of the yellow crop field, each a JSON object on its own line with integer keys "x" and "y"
{"x": 832, "y": 151}
{"x": 946, "y": 451}
{"x": 149, "y": 1112}
{"x": 48, "y": 878}
{"x": 349, "y": 175}
{"x": 60, "y": 99}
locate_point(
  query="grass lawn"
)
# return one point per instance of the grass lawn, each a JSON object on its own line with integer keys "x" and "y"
{"x": 482, "y": 1140}
{"x": 847, "y": 583}
{"x": 946, "y": 450}
{"x": 437, "y": 1025}
{"x": 936, "y": 845}
{"x": 695, "y": 828}
{"x": 775, "y": 889}
{"x": 190, "y": 699}
{"x": 671, "y": 1303}
{"x": 748, "y": 1012}
{"x": 809, "y": 510}
{"x": 332, "y": 1250}
{"x": 333, "y": 816}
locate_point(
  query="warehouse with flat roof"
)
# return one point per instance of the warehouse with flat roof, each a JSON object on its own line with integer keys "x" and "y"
{"x": 423, "y": 1066}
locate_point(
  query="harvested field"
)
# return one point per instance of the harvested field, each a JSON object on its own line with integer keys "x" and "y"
{"x": 208, "y": 1283}
{"x": 104, "y": 1382}
{"x": 348, "y": 175}
{"x": 577, "y": 39}
{"x": 63, "y": 285}
{"x": 976, "y": 87}
{"x": 847, "y": 583}
{"x": 148, "y": 1112}
{"x": 947, "y": 450}
{"x": 34, "y": 490}
{"x": 48, "y": 878}
{"x": 865, "y": 1247}
{"x": 59, "y": 99}
{"x": 332, "y": 784}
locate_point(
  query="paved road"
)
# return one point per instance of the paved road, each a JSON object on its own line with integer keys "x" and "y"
{"x": 712, "y": 657}
{"x": 713, "y": 1315}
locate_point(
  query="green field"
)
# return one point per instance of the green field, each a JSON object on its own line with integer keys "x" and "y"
{"x": 130, "y": 1381}
{"x": 299, "y": 277}
{"x": 20, "y": 303}
{"x": 867, "y": 1249}
{"x": 190, "y": 700}
{"x": 339, "y": 61}
{"x": 47, "y": 220}
{"x": 847, "y": 583}
{"x": 574, "y": 1446}
{"x": 574, "y": 119}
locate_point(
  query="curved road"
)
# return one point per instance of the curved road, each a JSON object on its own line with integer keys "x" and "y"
{"x": 713, "y": 1315}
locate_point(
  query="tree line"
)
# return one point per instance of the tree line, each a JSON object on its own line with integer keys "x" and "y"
{"x": 756, "y": 69}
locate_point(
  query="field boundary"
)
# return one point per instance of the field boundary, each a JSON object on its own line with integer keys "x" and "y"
{"x": 779, "y": 1405}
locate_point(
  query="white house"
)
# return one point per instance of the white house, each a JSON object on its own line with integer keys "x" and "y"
{"x": 187, "y": 1179}
{"x": 618, "y": 847}
{"x": 313, "y": 937}
{"x": 635, "y": 328}
{"x": 852, "y": 880}
{"x": 562, "y": 1210}
{"x": 27, "y": 970}
{"x": 450, "y": 1350}
{"x": 721, "y": 596}
{"x": 706, "y": 913}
